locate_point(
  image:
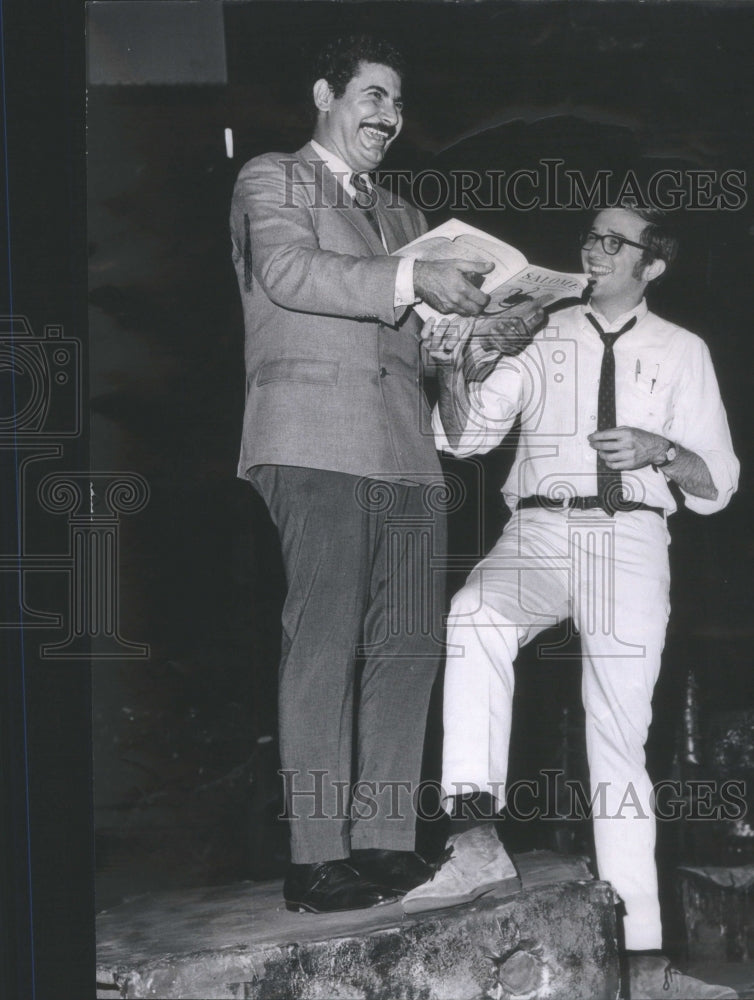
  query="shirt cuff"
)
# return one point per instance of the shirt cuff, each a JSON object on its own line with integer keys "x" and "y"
{"x": 404, "y": 283}
{"x": 441, "y": 441}
{"x": 468, "y": 445}
{"x": 723, "y": 470}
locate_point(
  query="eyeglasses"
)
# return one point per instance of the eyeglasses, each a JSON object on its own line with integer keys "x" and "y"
{"x": 610, "y": 244}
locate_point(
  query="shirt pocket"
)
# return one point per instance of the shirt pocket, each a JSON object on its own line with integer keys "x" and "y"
{"x": 645, "y": 400}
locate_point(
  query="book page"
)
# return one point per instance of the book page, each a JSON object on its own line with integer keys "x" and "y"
{"x": 513, "y": 284}
{"x": 456, "y": 239}
{"x": 533, "y": 285}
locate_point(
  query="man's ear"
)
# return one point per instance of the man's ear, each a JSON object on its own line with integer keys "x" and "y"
{"x": 323, "y": 95}
{"x": 654, "y": 270}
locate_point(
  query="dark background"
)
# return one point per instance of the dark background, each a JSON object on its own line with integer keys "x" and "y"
{"x": 183, "y": 760}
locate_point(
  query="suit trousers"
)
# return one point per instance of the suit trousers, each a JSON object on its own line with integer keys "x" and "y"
{"x": 611, "y": 575}
{"x": 361, "y": 645}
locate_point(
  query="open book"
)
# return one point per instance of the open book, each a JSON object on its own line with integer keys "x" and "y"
{"x": 513, "y": 285}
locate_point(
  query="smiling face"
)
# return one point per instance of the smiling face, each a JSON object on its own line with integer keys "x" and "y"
{"x": 620, "y": 279}
{"x": 360, "y": 126}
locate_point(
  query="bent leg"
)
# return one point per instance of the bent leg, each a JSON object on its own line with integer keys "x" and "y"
{"x": 514, "y": 593}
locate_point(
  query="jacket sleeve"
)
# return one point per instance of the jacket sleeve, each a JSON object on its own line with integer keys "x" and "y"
{"x": 273, "y": 223}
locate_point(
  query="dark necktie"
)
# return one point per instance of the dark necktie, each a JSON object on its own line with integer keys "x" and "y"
{"x": 365, "y": 199}
{"x": 609, "y": 484}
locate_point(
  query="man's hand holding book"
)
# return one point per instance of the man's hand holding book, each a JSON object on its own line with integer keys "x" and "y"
{"x": 477, "y": 344}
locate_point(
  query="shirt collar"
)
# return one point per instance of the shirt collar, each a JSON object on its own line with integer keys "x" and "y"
{"x": 639, "y": 312}
{"x": 337, "y": 167}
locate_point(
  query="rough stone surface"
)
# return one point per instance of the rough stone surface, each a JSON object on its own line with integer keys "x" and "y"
{"x": 553, "y": 938}
{"x": 718, "y": 908}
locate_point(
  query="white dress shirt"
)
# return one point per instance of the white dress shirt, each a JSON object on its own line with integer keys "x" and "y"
{"x": 664, "y": 383}
{"x": 404, "y": 281}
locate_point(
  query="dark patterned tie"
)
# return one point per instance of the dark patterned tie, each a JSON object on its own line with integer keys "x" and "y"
{"x": 366, "y": 199}
{"x": 609, "y": 483}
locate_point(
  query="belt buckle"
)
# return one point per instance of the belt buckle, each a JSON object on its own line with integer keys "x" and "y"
{"x": 565, "y": 503}
{"x": 586, "y": 504}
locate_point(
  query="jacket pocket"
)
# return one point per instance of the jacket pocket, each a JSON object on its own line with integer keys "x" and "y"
{"x": 299, "y": 370}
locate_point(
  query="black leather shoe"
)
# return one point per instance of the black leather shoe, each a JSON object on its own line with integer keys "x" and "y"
{"x": 329, "y": 886}
{"x": 397, "y": 871}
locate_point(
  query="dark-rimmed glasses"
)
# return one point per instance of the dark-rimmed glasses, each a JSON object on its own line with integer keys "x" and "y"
{"x": 611, "y": 244}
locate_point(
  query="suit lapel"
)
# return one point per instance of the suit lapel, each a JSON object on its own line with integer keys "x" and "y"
{"x": 335, "y": 197}
{"x": 391, "y": 221}
{"x": 355, "y": 215}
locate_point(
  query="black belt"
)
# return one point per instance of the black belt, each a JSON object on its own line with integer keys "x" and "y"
{"x": 583, "y": 503}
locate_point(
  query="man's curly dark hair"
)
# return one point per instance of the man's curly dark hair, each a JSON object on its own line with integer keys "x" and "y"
{"x": 658, "y": 235}
{"x": 338, "y": 61}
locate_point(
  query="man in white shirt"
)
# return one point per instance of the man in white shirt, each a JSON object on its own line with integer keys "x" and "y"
{"x": 615, "y": 404}
{"x": 337, "y": 440}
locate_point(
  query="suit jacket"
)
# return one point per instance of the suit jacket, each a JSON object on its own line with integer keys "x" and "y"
{"x": 333, "y": 378}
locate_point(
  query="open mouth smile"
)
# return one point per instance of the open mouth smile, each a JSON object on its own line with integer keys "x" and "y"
{"x": 598, "y": 270}
{"x": 378, "y": 133}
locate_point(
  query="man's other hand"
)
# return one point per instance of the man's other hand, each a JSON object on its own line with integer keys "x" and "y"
{"x": 445, "y": 338}
{"x": 506, "y": 335}
{"x": 448, "y": 285}
{"x": 494, "y": 337}
{"x": 623, "y": 448}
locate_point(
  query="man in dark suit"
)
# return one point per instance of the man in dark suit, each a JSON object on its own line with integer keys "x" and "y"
{"x": 336, "y": 439}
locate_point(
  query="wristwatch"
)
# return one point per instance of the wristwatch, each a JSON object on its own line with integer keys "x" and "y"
{"x": 671, "y": 454}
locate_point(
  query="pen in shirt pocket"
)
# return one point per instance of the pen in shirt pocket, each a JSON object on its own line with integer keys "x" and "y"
{"x": 637, "y": 370}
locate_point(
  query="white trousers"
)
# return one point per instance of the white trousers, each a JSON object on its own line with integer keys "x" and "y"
{"x": 612, "y": 576}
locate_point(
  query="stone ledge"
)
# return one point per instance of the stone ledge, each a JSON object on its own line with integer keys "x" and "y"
{"x": 552, "y": 938}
